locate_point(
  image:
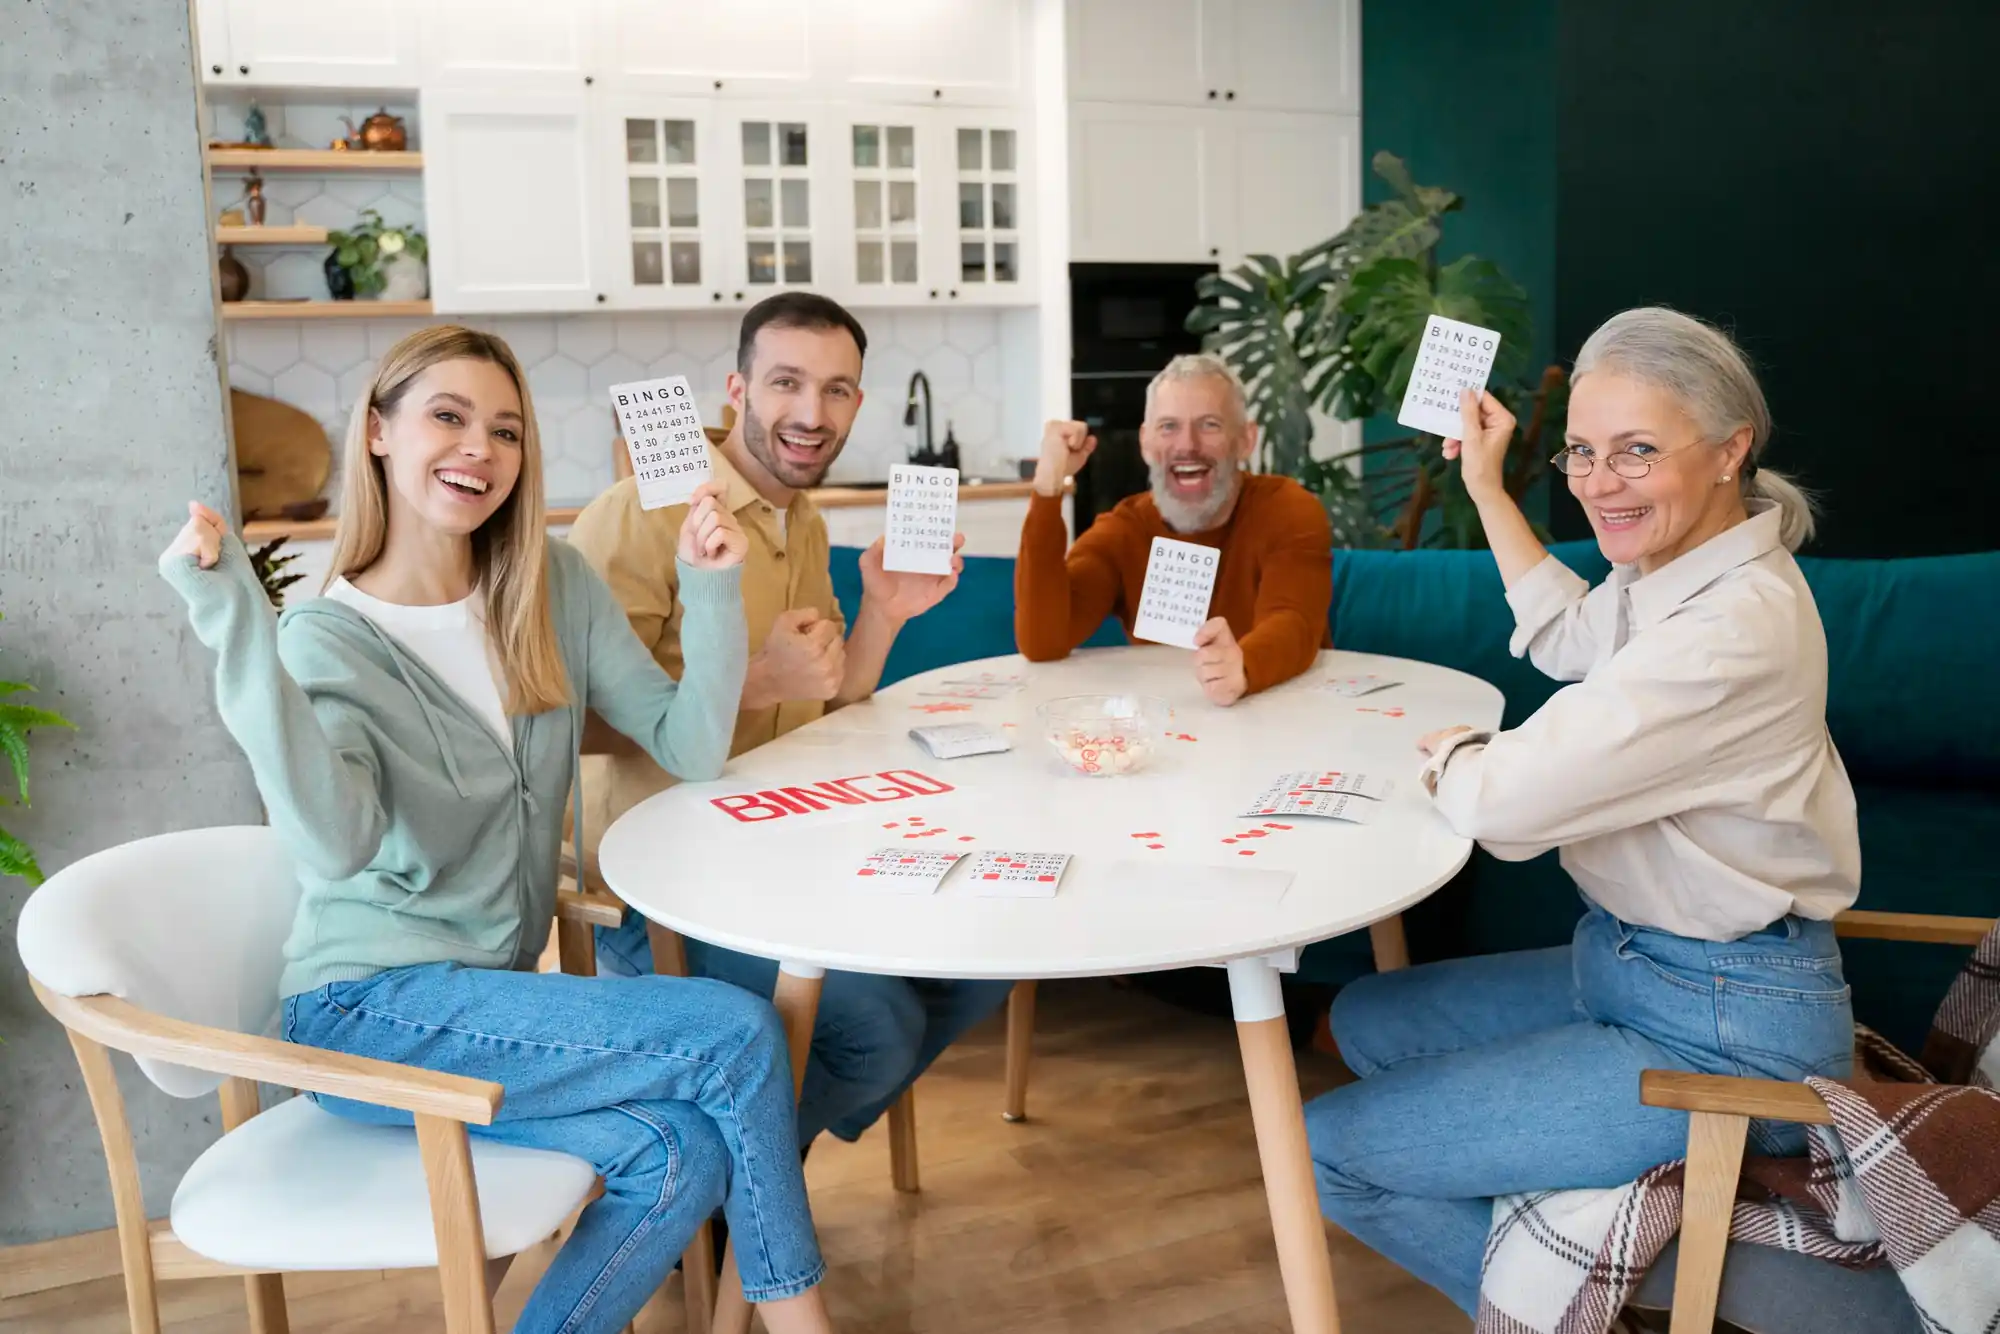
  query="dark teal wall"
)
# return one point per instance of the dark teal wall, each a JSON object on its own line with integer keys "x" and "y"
{"x": 1465, "y": 92}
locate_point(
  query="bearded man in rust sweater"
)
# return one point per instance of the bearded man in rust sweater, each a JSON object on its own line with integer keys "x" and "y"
{"x": 1267, "y": 615}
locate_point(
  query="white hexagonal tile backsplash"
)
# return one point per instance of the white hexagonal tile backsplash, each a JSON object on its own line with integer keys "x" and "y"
{"x": 572, "y": 360}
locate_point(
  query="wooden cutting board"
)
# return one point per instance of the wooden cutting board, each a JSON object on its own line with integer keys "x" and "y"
{"x": 283, "y": 458}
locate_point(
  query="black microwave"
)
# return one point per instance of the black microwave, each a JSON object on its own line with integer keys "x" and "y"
{"x": 1131, "y": 317}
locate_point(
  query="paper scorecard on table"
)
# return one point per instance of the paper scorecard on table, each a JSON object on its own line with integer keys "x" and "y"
{"x": 1372, "y": 786}
{"x": 1180, "y": 576}
{"x": 923, "y": 519}
{"x": 906, "y": 871}
{"x": 1452, "y": 357}
{"x": 662, "y": 429}
{"x": 1021, "y": 875}
{"x": 1285, "y": 799}
{"x": 954, "y": 741}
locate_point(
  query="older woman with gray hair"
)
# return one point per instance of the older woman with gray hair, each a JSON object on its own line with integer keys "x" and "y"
{"x": 1697, "y": 800}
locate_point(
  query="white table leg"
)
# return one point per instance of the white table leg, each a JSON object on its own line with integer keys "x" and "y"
{"x": 796, "y": 998}
{"x": 1279, "y": 1116}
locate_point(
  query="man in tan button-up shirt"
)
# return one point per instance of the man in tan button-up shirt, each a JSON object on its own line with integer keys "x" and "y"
{"x": 796, "y": 390}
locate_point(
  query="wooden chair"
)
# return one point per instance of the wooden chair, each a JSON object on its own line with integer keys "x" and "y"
{"x": 169, "y": 948}
{"x": 1720, "y": 1109}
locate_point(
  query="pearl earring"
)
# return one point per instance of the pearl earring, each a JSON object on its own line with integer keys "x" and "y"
{"x": 1725, "y": 477}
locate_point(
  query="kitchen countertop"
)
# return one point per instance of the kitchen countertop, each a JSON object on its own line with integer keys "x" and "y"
{"x": 826, "y": 497}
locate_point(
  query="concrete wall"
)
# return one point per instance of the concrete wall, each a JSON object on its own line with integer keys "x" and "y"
{"x": 110, "y": 419}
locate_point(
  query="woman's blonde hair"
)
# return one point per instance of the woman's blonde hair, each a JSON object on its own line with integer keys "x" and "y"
{"x": 509, "y": 550}
{"x": 1705, "y": 371}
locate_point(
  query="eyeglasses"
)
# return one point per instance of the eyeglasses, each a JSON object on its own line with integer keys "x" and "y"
{"x": 1625, "y": 463}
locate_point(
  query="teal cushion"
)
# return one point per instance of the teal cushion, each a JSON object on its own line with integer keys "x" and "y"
{"x": 1446, "y": 607}
{"x": 975, "y": 621}
{"x": 1909, "y": 643}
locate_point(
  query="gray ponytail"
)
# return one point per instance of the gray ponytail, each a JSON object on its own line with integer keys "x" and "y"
{"x": 1711, "y": 379}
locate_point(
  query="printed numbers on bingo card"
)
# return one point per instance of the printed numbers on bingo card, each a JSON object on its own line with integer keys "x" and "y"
{"x": 922, "y": 519}
{"x": 662, "y": 429}
{"x": 1173, "y": 605}
{"x": 1452, "y": 357}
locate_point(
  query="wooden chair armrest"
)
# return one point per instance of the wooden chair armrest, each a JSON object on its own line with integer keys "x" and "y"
{"x": 1770, "y": 1099}
{"x": 589, "y": 907}
{"x": 1927, "y": 928}
{"x": 119, "y": 1024}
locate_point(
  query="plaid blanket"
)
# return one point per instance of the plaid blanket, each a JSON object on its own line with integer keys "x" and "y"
{"x": 1907, "y": 1175}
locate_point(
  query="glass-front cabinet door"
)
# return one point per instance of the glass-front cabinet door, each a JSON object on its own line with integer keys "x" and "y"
{"x": 887, "y": 185}
{"x": 667, "y": 209}
{"x": 776, "y": 196}
{"x": 988, "y": 201}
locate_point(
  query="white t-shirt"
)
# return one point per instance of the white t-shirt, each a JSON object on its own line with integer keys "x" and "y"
{"x": 451, "y": 640}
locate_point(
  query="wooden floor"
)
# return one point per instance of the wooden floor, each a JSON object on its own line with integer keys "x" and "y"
{"x": 1129, "y": 1202}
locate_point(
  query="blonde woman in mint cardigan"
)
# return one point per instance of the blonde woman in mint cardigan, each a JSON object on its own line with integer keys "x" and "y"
{"x": 413, "y": 733}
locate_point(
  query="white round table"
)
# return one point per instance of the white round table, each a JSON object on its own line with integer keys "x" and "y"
{"x": 1161, "y": 877}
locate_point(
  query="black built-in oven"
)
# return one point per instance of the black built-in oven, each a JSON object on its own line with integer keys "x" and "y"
{"x": 1126, "y": 322}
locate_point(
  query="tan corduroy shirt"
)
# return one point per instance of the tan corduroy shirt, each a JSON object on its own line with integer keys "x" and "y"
{"x": 786, "y": 567}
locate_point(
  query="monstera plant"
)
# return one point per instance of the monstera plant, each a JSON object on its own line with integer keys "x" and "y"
{"x": 1335, "y": 330}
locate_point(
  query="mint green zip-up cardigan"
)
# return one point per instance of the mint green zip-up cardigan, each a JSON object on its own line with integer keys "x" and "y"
{"x": 419, "y": 837}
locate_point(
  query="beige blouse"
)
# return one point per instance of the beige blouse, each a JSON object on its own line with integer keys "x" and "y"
{"x": 1687, "y": 776}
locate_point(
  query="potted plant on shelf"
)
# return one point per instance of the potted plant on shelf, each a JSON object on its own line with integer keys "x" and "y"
{"x": 379, "y": 263}
{"x": 1335, "y": 329}
{"x": 16, "y": 857}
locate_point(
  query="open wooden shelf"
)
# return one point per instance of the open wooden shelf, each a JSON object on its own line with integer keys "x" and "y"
{"x": 323, "y": 310}
{"x": 298, "y": 234}
{"x": 310, "y": 159}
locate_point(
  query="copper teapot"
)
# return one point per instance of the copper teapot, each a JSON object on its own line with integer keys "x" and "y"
{"x": 380, "y": 133}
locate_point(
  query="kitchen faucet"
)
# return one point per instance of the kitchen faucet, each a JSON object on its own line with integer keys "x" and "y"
{"x": 924, "y": 454}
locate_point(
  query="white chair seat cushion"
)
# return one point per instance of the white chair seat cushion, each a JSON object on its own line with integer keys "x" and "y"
{"x": 298, "y": 1188}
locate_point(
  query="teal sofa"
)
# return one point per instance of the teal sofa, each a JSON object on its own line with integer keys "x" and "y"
{"x": 1909, "y": 706}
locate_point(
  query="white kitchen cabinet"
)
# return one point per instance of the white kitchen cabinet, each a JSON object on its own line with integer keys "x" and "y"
{"x": 287, "y": 43}
{"x": 1290, "y": 181}
{"x": 669, "y": 193}
{"x": 506, "y": 45}
{"x": 211, "y": 42}
{"x": 728, "y": 48}
{"x": 1171, "y": 184}
{"x": 510, "y": 197}
{"x": 1142, "y": 181}
{"x": 987, "y": 212}
{"x": 1139, "y": 51}
{"x": 1289, "y": 55}
{"x": 1293, "y": 55}
{"x": 778, "y": 170}
{"x": 884, "y": 246}
{"x": 932, "y": 52}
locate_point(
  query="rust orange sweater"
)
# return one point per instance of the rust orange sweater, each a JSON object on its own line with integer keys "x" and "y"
{"x": 1274, "y": 586}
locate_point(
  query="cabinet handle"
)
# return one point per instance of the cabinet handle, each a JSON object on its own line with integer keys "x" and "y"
{"x": 937, "y": 92}
{"x": 1213, "y": 251}
{"x": 717, "y": 296}
{"x": 954, "y": 294}
{"x": 600, "y": 298}
{"x": 718, "y": 83}
{"x": 242, "y": 69}
{"x": 1230, "y": 96}
{"x": 589, "y": 79}
{"x": 215, "y": 69}
{"x": 739, "y": 296}
{"x": 1211, "y": 94}
{"x": 934, "y": 294}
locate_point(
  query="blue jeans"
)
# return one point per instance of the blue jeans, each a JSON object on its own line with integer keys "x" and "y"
{"x": 677, "y": 1090}
{"x": 873, "y": 1037}
{"x": 1519, "y": 1072}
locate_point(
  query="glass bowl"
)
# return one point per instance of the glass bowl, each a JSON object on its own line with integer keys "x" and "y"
{"x": 1101, "y": 735}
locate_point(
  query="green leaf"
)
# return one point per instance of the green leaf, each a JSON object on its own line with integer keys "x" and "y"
{"x": 349, "y": 254}
{"x": 368, "y": 249}
{"x": 24, "y": 716}
{"x": 16, "y": 748}
{"x": 17, "y": 859}
{"x": 15, "y": 687}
